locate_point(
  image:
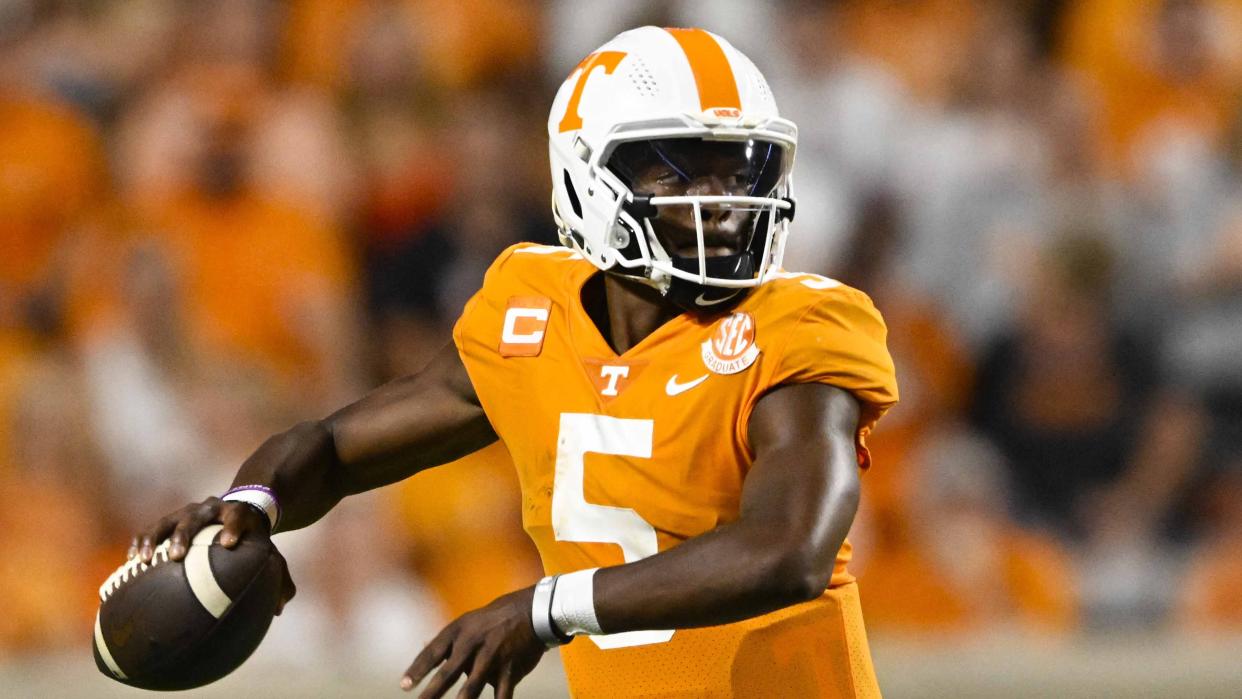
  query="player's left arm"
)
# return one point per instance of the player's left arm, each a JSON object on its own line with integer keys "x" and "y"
{"x": 798, "y": 502}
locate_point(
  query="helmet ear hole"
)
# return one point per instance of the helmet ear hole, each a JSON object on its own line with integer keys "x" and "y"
{"x": 574, "y": 203}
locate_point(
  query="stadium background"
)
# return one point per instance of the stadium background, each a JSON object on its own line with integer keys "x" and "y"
{"x": 219, "y": 218}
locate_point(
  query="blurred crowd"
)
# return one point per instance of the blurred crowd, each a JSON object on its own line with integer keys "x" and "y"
{"x": 217, "y": 219}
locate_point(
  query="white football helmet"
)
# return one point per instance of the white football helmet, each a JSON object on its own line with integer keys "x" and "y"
{"x": 647, "y": 87}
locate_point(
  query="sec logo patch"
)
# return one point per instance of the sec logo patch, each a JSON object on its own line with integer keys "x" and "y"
{"x": 732, "y": 347}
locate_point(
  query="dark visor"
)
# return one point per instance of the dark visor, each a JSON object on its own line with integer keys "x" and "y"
{"x": 746, "y": 168}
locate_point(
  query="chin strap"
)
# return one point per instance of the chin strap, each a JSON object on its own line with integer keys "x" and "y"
{"x": 692, "y": 296}
{"x": 640, "y": 242}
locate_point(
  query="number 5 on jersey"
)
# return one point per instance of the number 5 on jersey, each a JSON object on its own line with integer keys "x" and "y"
{"x": 574, "y": 519}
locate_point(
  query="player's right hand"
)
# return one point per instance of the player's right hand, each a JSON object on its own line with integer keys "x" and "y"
{"x": 239, "y": 520}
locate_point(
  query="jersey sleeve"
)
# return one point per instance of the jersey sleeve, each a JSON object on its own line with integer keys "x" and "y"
{"x": 841, "y": 341}
{"x": 471, "y": 332}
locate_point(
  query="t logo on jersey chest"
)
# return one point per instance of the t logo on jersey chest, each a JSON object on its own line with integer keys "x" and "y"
{"x": 611, "y": 377}
{"x": 524, "y": 327}
{"x": 611, "y": 374}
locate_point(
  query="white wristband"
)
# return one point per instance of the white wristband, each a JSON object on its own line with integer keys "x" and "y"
{"x": 573, "y": 603}
{"x": 260, "y": 497}
{"x": 541, "y": 614}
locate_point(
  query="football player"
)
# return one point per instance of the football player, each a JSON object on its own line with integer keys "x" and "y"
{"x": 687, "y": 419}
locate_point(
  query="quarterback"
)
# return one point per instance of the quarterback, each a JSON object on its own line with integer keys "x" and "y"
{"x": 688, "y": 419}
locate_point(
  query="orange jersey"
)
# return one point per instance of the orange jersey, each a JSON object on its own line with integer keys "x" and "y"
{"x": 620, "y": 457}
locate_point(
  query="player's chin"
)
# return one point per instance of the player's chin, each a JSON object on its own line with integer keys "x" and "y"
{"x": 692, "y": 251}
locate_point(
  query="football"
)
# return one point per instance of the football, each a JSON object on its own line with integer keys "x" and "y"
{"x": 172, "y": 625}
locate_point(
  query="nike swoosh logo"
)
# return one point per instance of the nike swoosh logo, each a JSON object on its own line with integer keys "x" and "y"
{"x": 699, "y": 300}
{"x": 673, "y": 388}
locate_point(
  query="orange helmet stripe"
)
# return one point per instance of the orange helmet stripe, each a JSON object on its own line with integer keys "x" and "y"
{"x": 712, "y": 73}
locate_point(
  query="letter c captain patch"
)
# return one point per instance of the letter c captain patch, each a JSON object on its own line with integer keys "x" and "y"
{"x": 526, "y": 322}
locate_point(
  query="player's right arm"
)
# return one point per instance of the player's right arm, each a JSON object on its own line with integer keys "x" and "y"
{"x": 411, "y": 424}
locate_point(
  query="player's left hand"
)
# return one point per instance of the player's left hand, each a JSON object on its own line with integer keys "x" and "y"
{"x": 494, "y": 645}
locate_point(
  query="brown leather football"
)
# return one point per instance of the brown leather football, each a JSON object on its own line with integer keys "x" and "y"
{"x": 172, "y": 625}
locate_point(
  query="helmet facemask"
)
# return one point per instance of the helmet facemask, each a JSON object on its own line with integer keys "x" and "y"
{"x": 699, "y": 219}
{"x": 687, "y": 100}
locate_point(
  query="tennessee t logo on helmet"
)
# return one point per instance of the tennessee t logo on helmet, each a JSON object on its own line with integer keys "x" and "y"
{"x": 713, "y": 76}
{"x": 607, "y": 60}
{"x": 666, "y": 87}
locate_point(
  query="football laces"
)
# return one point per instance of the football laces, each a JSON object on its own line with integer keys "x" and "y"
{"x": 131, "y": 569}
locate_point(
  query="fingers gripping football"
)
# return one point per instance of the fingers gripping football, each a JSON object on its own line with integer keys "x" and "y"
{"x": 181, "y": 526}
{"x": 238, "y": 519}
{"x": 494, "y": 645}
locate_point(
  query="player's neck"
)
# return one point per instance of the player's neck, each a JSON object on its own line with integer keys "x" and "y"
{"x": 625, "y": 312}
